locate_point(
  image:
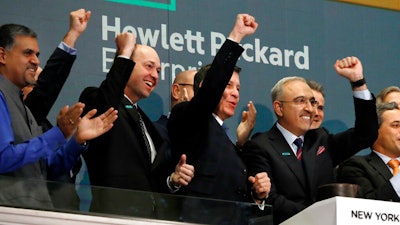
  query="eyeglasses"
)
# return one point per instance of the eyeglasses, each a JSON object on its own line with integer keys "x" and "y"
{"x": 183, "y": 84}
{"x": 301, "y": 101}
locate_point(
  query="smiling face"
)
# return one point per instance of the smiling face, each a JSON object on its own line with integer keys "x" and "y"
{"x": 230, "y": 98}
{"x": 144, "y": 76}
{"x": 293, "y": 115}
{"x": 388, "y": 142}
{"x": 19, "y": 64}
{"x": 319, "y": 113}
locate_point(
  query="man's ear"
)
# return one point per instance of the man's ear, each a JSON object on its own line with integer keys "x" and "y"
{"x": 2, "y": 55}
{"x": 278, "y": 108}
{"x": 175, "y": 91}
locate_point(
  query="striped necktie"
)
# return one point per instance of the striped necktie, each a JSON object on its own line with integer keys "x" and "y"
{"x": 299, "y": 144}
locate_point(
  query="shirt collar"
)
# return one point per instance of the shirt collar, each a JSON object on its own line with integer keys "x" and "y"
{"x": 219, "y": 120}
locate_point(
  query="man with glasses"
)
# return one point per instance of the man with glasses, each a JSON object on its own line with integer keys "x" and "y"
{"x": 181, "y": 90}
{"x": 296, "y": 170}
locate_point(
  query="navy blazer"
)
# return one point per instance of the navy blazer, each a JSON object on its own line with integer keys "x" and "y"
{"x": 372, "y": 174}
{"x": 219, "y": 170}
{"x": 294, "y": 188}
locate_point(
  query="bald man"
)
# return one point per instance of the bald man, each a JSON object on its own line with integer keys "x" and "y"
{"x": 181, "y": 90}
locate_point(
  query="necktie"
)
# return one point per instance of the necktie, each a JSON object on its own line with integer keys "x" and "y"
{"x": 226, "y": 129}
{"x": 394, "y": 164}
{"x": 142, "y": 128}
{"x": 299, "y": 144}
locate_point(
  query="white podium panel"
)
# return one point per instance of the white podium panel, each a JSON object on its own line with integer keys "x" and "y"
{"x": 348, "y": 211}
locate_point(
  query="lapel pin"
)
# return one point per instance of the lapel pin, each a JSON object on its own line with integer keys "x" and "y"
{"x": 285, "y": 153}
{"x": 129, "y": 106}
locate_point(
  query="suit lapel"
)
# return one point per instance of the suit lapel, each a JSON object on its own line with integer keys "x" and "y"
{"x": 377, "y": 163}
{"x": 132, "y": 115}
{"x": 285, "y": 152}
{"x": 309, "y": 159}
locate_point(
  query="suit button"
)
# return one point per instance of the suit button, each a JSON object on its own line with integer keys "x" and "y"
{"x": 244, "y": 171}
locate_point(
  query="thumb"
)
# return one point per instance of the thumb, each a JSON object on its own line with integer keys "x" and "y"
{"x": 244, "y": 116}
{"x": 252, "y": 179}
{"x": 182, "y": 160}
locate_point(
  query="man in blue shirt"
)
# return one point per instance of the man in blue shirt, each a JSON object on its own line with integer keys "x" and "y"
{"x": 24, "y": 151}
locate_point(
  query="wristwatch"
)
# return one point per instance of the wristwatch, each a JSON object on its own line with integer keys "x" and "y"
{"x": 358, "y": 83}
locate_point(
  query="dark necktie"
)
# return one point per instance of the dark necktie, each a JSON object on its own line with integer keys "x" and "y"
{"x": 142, "y": 128}
{"x": 299, "y": 144}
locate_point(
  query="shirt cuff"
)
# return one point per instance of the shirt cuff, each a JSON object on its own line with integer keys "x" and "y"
{"x": 172, "y": 188}
{"x": 261, "y": 205}
{"x": 63, "y": 46}
{"x": 364, "y": 94}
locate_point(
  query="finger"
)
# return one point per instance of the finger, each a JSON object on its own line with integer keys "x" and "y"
{"x": 91, "y": 113}
{"x": 185, "y": 95}
{"x": 63, "y": 110}
{"x": 182, "y": 161}
{"x": 244, "y": 116}
{"x": 252, "y": 179}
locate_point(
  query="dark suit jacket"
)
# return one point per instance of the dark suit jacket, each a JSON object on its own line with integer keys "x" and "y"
{"x": 49, "y": 84}
{"x": 40, "y": 101}
{"x": 219, "y": 171}
{"x": 372, "y": 174}
{"x": 294, "y": 188}
{"x": 119, "y": 158}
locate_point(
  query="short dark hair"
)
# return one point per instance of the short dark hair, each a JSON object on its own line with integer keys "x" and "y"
{"x": 201, "y": 74}
{"x": 383, "y": 107}
{"x": 8, "y": 32}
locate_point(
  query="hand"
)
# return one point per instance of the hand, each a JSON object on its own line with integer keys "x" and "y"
{"x": 185, "y": 96}
{"x": 350, "y": 68}
{"x": 90, "y": 128}
{"x": 183, "y": 173}
{"x": 126, "y": 43}
{"x": 246, "y": 125}
{"x": 245, "y": 25}
{"x": 77, "y": 25}
{"x": 69, "y": 118}
{"x": 261, "y": 186}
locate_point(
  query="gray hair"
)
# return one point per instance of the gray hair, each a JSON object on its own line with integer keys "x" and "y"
{"x": 382, "y": 94}
{"x": 383, "y": 107}
{"x": 277, "y": 90}
{"x": 316, "y": 86}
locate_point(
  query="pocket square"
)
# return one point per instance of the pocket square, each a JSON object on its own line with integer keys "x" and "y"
{"x": 321, "y": 149}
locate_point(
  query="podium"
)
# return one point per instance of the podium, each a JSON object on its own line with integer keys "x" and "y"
{"x": 348, "y": 211}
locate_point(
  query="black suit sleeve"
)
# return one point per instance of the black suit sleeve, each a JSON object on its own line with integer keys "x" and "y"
{"x": 49, "y": 84}
{"x": 202, "y": 105}
{"x": 363, "y": 135}
{"x": 111, "y": 91}
{"x": 373, "y": 184}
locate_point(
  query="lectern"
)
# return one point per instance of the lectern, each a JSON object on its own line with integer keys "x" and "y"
{"x": 348, "y": 211}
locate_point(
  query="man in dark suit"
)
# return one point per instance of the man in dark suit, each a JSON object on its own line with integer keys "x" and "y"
{"x": 373, "y": 173}
{"x": 297, "y": 170}
{"x": 195, "y": 129}
{"x": 40, "y": 96}
{"x": 132, "y": 155}
{"x": 181, "y": 90}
